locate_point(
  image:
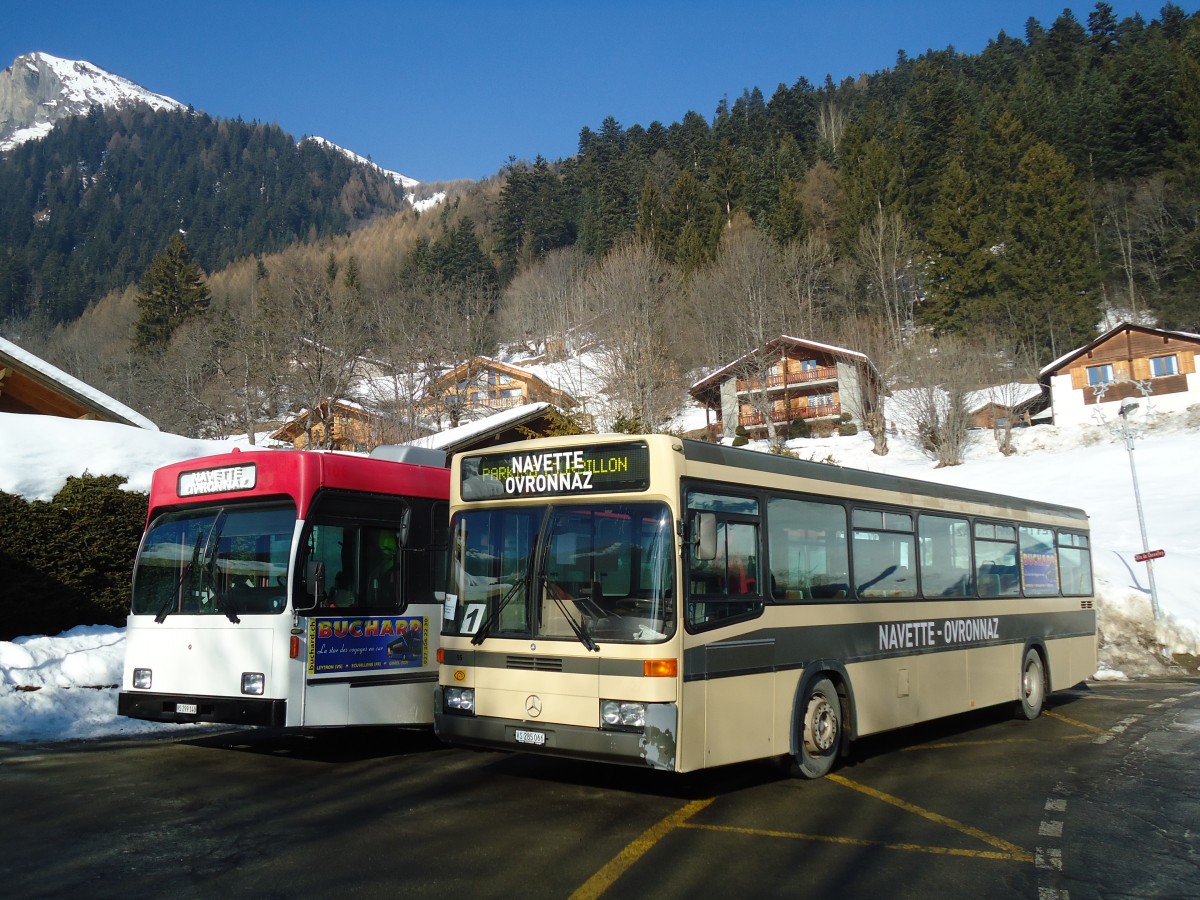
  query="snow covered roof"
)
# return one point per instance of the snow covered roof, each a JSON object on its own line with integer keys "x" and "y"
{"x": 40, "y": 382}
{"x": 1010, "y": 395}
{"x": 453, "y": 438}
{"x": 1072, "y": 354}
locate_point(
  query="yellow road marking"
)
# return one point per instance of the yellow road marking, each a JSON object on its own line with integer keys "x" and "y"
{"x": 1018, "y": 855}
{"x": 603, "y": 879}
{"x": 950, "y": 745}
{"x": 1119, "y": 699}
{"x": 1013, "y": 850}
{"x": 1076, "y": 723}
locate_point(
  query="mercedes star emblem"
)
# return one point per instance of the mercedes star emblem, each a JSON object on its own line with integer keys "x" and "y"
{"x": 533, "y": 705}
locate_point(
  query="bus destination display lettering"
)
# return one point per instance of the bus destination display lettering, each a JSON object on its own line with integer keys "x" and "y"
{"x": 372, "y": 642}
{"x": 614, "y": 468}
{"x": 217, "y": 481}
{"x": 947, "y": 633}
{"x": 541, "y": 472}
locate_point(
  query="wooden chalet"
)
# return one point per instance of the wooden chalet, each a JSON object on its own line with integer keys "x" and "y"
{"x": 1004, "y": 405}
{"x": 484, "y": 385}
{"x": 789, "y": 379}
{"x": 31, "y": 385}
{"x": 351, "y": 428}
{"x": 1126, "y": 362}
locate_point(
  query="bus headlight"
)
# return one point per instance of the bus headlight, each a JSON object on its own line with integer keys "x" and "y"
{"x": 253, "y": 682}
{"x": 622, "y": 715}
{"x": 459, "y": 699}
{"x": 143, "y": 679}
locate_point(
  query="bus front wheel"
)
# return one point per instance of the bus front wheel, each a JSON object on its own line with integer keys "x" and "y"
{"x": 820, "y": 729}
{"x": 1033, "y": 685}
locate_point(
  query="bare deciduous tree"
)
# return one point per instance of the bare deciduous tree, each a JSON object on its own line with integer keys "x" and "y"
{"x": 407, "y": 353}
{"x": 743, "y": 300}
{"x": 634, "y": 294}
{"x": 806, "y": 266}
{"x": 1010, "y": 379}
{"x": 886, "y": 251}
{"x": 545, "y": 306}
{"x": 869, "y": 336}
{"x": 317, "y": 334}
{"x": 930, "y": 403}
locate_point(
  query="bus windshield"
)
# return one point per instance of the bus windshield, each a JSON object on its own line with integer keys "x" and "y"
{"x": 226, "y": 561}
{"x": 601, "y": 572}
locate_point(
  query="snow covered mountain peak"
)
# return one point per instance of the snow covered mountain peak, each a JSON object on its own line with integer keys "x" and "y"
{"x": 38, "y": 90}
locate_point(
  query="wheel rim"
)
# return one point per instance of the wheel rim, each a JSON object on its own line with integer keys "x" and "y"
{"x": 820, "y": 725}
{"x": 1033, "y": 683}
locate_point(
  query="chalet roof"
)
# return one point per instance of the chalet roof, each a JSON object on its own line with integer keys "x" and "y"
{"x": 1012, "y": 396}
{"x": 1112, "y": 332}
{"x": 784, "y": 340}
{"x": 29, "y": 384}
{"x": 499, "y": 428}
{"x": 487, "y": 362}
{"x": 295, "y": 426}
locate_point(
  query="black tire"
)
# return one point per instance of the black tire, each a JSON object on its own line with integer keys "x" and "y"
{"x": 819, "y": 729}
{"x": 1033, "y": 685}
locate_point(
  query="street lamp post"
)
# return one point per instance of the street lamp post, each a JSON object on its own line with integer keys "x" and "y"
{"x": 1126, "y": 408}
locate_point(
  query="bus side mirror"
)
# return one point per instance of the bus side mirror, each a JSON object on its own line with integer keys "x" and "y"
{"x": 704, "y": 536}
{"x": 314, "y": 582}
{"x": 405, "y": 525}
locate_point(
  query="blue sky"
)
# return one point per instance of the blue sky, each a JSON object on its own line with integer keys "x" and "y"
{"x": 453, "y": 89}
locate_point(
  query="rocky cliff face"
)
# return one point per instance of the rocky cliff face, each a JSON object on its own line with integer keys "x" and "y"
{"x": 38, "y": 89}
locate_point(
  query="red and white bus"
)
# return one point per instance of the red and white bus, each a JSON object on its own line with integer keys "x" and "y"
{"x": 286, "y": 588}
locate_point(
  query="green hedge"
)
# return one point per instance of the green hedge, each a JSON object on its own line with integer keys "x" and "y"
{"x": 68, "y": 561}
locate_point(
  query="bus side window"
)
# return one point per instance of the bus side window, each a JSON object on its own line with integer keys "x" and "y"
{"x": 996, "y": 560}
{"x": 884, "y": 553}
{"x": 945, "y": 555}
{"x": 1075, "y": 564}
{"x": 808, "y": 550}
{"x": 729, "y": 585}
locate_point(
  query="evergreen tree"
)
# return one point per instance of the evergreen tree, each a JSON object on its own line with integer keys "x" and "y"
{"x": 959, "y": 251}
{"x": 1050, "y": 280}
{"x": 172, "y": 291}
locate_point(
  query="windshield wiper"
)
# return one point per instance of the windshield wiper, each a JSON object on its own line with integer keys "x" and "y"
{"x": 485, "y": 629}
{"x": 188, "y": 569}
{"x": 225, "y": 605}
{"x": 580, "y": 631}
{"x": 209, "y": 564}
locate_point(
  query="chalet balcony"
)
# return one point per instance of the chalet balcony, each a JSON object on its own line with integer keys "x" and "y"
{"x": 783, "y": 416}
{"x": 806, "y": 378}
{"x": 494, "y": 401}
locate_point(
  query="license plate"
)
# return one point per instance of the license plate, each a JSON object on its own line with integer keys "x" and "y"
{"x": 189, "y": 709}
{"x": 529, "y": 737}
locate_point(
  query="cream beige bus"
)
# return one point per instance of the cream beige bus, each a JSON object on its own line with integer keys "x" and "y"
{"x": 677, "y": 604}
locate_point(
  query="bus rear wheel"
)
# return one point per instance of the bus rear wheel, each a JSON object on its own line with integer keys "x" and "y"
{"x": 1033, "y": 685}
{"x": 820, "y": 729}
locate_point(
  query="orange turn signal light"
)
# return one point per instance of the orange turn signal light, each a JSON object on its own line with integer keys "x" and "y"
{"x": 660, "y": 668}
{"x": 295, "y": 647}
{"x": 441, "y": 656}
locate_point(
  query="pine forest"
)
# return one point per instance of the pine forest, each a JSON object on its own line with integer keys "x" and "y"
{"x": 1007, "y": 203}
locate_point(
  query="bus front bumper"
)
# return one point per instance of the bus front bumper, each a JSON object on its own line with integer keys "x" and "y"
{"x": 655, "y": 747}
{"x": 182, "y": 708}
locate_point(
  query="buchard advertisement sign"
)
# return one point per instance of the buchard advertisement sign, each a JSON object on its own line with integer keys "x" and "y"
{"x": 370, "y": 642}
